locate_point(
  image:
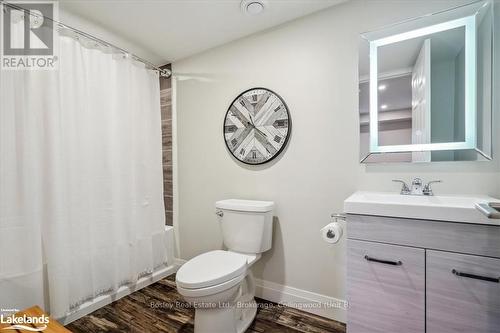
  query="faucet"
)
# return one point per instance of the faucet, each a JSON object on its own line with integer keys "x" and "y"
{"x": 405, "y": 190}
{"x": 427, "y": 190}
{"x": 417, "y": 187}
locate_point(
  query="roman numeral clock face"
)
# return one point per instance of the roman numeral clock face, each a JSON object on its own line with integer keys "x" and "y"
{"x": 257, "y": 126}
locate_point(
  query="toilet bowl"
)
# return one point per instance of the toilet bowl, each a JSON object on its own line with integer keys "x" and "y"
{"x": 219, "y": 284}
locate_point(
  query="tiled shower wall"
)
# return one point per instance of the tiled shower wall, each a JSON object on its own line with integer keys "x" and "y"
{"x": 166, "y": 125}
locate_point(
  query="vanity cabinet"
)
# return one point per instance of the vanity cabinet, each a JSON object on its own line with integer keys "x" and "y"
{"x": 408, "y": 275}
{"x": 386, "y": 288}
{"x": 463, "y": 293}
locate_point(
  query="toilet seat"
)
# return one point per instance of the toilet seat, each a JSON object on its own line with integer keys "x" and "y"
{"x": 212, "y": 269}
{"x": 212, "y": 290}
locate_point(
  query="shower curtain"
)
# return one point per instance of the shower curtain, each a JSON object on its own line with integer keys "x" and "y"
{"x": 81, "y": 196}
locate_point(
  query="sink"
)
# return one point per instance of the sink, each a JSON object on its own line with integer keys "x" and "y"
{"x": 441, "y": 208}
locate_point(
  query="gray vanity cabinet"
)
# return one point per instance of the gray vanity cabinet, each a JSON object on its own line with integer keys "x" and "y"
{"x": 468, "y": 303}
{"x": 387, "y": 296}
{"x": 406, "y": 275}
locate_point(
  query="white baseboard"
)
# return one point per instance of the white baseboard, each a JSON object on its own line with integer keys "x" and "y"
{"x": 318, "y": 304}
{"x": 104, "y": 300}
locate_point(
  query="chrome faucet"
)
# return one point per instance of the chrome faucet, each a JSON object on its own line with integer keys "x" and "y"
{"x": 428, "y": 189}
{"x": 405, "y": 190}
{"x": 417, "y": 187}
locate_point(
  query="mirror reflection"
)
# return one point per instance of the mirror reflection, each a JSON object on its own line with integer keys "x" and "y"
{"x": 431, "y": 79}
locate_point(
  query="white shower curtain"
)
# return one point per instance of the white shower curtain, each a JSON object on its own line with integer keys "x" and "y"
{"x": 80, "y": 178}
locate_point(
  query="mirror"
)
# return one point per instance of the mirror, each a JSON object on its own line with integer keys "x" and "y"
{"x": 425, "y": 88}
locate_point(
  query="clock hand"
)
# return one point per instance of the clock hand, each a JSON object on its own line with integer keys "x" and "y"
{"x": 251, "y": 119}
{"x": 255, "y": 128}
{"x": 261, "y": 133}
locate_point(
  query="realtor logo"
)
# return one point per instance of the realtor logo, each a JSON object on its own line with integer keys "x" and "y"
{"x": 25, "y": 323}
{"x": 28, "y": 38}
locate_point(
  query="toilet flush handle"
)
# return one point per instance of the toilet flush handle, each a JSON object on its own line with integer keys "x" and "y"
{"x": 219, "y": 213}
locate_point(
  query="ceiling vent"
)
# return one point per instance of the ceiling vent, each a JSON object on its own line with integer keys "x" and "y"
{"x": 253, "y": 7}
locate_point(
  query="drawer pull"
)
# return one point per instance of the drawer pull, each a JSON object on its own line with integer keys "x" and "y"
{"x": 477, "y": 277}
{"x": 387, "y": 262}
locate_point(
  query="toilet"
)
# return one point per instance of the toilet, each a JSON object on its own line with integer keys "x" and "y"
{"x": 219, "y": 284}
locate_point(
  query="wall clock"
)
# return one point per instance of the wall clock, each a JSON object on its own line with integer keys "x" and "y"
{"x": 257, "y": 126}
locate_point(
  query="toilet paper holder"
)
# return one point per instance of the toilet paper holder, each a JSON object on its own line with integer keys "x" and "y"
{"x": 332, "y": 232}
{"x": 337, "y": 216}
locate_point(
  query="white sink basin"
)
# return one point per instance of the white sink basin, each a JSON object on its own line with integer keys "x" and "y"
{"x": 441, "y": 208}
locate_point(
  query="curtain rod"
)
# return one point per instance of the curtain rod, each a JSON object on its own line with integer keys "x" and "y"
{"x": 163, "y": 72}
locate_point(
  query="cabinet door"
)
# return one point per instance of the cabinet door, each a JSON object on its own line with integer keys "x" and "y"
{"x": 385, "y": 288}
{"x": 463, "y": 293}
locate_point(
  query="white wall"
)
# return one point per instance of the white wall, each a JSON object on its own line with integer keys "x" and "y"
{"x": 78, "y": 22}
{"x": 312, "y": 63}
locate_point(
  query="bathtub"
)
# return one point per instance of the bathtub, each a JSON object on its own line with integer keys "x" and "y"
{"x": 157, "y": 275}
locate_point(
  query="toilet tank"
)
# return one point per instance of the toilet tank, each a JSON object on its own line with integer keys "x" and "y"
{"x": 247, "y": 225}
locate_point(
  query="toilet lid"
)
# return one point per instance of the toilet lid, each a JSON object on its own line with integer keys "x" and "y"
{"x": 211, "y": 268}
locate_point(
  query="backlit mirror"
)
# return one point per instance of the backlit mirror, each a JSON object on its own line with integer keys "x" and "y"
{"x": 425, "y": 88}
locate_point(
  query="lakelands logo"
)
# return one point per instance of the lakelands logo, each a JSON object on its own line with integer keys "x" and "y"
{"x": 28, "y": 37}
{"x": 24, "y": 322}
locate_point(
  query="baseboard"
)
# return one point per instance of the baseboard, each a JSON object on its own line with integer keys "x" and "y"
{"x": 318, "y": 304}
{"x": 101, "y": 301}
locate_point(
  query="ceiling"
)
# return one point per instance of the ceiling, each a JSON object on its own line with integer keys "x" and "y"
{"x": 175, "y": 29}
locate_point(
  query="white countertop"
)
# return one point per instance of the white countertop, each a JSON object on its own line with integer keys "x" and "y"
{"x": 440, "y": 208}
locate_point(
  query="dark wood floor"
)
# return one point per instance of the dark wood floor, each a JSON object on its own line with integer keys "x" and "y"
{"x": 159, "y": 308}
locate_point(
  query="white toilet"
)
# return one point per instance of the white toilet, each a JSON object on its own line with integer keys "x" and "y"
{"x": 219, "y": 284}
